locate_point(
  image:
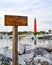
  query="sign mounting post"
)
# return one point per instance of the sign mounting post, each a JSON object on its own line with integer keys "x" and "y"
{"x": 15, "y": 21}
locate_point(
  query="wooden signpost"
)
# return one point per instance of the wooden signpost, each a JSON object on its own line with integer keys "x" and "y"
{"x": 15, "y": 21}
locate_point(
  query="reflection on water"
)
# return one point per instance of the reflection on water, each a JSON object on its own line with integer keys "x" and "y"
{"x": 24, "y": 41}
{"x": 35, "y": 42}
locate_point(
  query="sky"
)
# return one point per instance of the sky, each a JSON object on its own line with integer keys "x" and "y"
{"x": 39, "y": 9}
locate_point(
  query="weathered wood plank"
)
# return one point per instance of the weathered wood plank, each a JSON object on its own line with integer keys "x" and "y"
{"x": 15, "y": 20}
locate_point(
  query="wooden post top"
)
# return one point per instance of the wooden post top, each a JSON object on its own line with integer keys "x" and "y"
{"x": 11, "y": 20}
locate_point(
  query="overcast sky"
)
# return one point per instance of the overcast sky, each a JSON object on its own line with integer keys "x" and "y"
{"x": 39, "y": 9}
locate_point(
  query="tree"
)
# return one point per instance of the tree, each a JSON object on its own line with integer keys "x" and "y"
{"x": 49, "y": 31}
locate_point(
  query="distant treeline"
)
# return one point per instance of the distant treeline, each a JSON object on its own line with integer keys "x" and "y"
{"x": 27, "y": 32}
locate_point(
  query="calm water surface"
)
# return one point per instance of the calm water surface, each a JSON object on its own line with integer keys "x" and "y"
{"x": 8, "y": 42}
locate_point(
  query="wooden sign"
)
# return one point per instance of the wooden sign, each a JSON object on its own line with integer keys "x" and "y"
{"x": 11, "y": 20}
{"x": 15, "y": 21}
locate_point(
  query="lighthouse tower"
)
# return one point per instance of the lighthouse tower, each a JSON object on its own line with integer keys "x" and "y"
{"x": 35, "y": 28}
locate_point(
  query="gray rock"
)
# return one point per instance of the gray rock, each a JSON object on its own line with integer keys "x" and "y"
{"x": 40, "y": 51}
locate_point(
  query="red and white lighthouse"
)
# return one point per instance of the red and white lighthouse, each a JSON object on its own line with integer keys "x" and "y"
{"x": 35, "y": 26}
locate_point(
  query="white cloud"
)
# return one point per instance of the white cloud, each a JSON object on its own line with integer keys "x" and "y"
{"x": 9, "y": 1}
{"x": 31, "y": 8}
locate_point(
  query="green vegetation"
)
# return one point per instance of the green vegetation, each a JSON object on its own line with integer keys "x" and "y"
{"x": 27, "y": 32}
{"x": 49, "y": 30}
{"x": 19, "y": 64}
{"x": 6, "y": 64}
{"x": 41, "y": 32}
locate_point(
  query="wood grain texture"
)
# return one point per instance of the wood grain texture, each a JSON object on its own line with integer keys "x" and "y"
{"x": 15, "y": 46}
{"x": 15, "y": 20}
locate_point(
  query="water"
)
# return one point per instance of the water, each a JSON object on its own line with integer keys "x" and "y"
{"x": 5, "y": 42}
{"x": 25, "y": 42}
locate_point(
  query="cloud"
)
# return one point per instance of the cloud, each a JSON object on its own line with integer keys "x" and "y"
{"x": 9, "y": 1}
{"x": 40, "y": 9}
{"x": 44, "y": 26}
